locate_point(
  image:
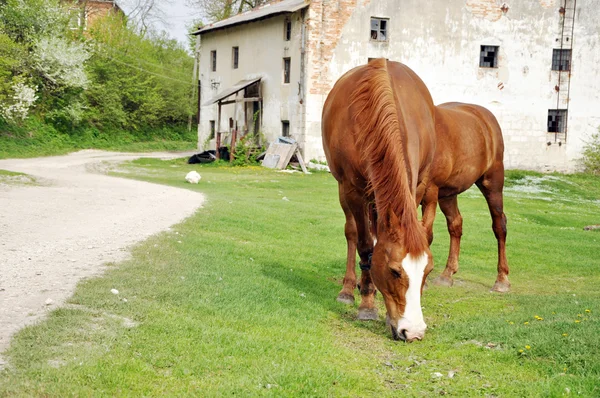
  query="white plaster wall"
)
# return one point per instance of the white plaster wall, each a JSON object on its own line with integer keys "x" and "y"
{"x": 261, "y": 51}
{"x": 440, "y": 40}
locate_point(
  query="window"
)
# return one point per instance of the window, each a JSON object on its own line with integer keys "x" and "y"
{"x": 285, "y": 128}
{"x": 213, "y": 60}
{"x": 488, "y": 58}
{"x": 379, "y": 29}
{"x": 212, "y": 130}
{"x": 235, "y": 57}
{"x": 287, "y": 30}
{"x": 77, "y": 19}
{"x": 286, "y": 70}
{"x": 557, "y": 120}
{"x": 561, "y": 59}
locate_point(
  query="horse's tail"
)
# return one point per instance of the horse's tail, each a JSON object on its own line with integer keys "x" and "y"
{"x": 381, "y": 139}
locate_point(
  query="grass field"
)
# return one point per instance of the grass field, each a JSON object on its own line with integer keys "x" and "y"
{"x": 240, "y": 299}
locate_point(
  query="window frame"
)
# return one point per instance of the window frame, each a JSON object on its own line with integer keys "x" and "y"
{"x": 561, "y": 116}
{"x": 287, "y": 74}
{"x": 287, "y": 29}
{"x": 484, "y": 53}
{"x": 213, "y": 60}
{"x": 285, "y": 128}
{"x": 558, "y": 56}
{"x": 235, "y": 57}
{"x": 379, "y": 34}
{"x": 212, "y": 126}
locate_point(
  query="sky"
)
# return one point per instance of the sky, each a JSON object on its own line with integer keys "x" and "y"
{"x": 177, "y": 16}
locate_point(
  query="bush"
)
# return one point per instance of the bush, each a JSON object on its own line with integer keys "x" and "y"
{"x": 591, "y": 155}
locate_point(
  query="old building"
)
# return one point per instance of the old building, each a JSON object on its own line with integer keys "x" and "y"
{"x": 85, "y": 12}
{"x": 533, "y": 63}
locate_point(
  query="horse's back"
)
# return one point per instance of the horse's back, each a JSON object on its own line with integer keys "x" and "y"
{"x": 414, "y": 107}
{"x": 469, "y": 143}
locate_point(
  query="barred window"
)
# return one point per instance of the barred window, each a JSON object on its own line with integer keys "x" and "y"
{"x": 488, "y": 57}
{"x": 561, "y": 59}
{"x": 557, "y": 120}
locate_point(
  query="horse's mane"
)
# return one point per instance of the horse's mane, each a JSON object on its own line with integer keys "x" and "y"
{"x": 381, "y": 138}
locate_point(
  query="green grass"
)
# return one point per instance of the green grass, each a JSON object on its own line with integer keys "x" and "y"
{"x": 35, "y": 138}
{"x": 240, "y": 299}
{"x": 13, "y": 178}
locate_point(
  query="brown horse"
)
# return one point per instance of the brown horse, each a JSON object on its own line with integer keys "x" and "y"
{"x": 379, "y": 139}
{"x": 469, "y": 150}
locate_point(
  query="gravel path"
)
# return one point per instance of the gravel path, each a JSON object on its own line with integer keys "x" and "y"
{"x": 52, "y": 236}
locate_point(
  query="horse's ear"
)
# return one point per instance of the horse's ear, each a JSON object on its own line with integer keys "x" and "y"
{"x": 393, "y": 220}
{"x": 392, "y": 224}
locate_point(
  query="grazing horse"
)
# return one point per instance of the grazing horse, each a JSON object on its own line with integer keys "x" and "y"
{"x": 469, "y": 150}
{"x": 379, "y": 139}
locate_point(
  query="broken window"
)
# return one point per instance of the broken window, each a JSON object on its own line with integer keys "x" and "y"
{"x": 488, "y": 57}
{"x": 561, "y": 59}
{"x": 285, "y": 128}
{"x": 213, "y": 60}
{"x": 235, "y": 57}
{"x": 212, "y": 129}
{"x": 287, "y": 30}
{"x": 286, "y": 70}
{"x": 379, "y": 29}
{"x": 557, "y": 120}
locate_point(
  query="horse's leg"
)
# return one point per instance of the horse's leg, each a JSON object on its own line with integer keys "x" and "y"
{"x": 449, "y": 207}
{"x": 360, "y": 210}
{"x": 346, "y": 295}
{"x": 428, "y": 208}
{"x": 491, "y": 185}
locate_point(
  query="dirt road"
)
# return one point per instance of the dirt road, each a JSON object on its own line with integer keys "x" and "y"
{"x": 52, "y": 236}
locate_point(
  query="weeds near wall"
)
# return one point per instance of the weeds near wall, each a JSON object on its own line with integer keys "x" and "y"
{"x": 247, "y": 150}
{"x": 591, "y": 155}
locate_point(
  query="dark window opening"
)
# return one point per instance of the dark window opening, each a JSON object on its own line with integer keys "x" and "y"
{"x": 212, "y": 129}
{"x": 561, "y": 59}
{"x": 285, "y": 128}
{"x": 287, "y": 31}
{"x": 235, "y": 57}
{"x": 557, "y": 120}
{"x": 251, "y": 91}
{"x": 488, "y": 57}
{"x": 286, "y": 70}
{"x": 213, "y": 60}
{"x": 379, "y": 29}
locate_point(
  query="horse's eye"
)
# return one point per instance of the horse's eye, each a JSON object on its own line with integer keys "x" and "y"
{"x": 396, "y": 274}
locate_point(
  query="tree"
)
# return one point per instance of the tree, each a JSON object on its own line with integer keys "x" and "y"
{"x": 217, "y": 10}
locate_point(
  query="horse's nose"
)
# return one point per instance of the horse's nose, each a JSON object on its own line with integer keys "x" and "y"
{"x": 412, "y": 336}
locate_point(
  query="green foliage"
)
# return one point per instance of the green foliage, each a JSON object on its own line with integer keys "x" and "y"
{"x": 97, "y": 84}
{"x": 591, "y": 155}
{"x": 246, "y": 151}
{"x": 37, "y": 138}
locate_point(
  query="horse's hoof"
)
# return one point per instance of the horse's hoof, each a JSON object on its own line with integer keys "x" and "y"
{"x": 367, "y": 314}
{"x": 346, "y": 298}
{"x": 443, "y": 281}
{"x": 501, "y": 287}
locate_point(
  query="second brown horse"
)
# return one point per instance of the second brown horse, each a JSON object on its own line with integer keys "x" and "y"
{"x": 469, "y": 150}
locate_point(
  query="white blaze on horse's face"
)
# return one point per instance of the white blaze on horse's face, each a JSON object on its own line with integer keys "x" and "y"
{"x": 399, "y": 277}
{"x": 412, "y": 325}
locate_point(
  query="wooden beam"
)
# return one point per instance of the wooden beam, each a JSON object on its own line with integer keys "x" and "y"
{"x": 235, "y": 101}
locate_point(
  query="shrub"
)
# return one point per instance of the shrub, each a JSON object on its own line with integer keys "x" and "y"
{"x": 591, "y": 155}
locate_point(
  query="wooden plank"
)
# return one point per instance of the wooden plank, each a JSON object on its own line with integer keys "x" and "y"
{"x": 301, "y": 161}
{"x": 284, "y": 151}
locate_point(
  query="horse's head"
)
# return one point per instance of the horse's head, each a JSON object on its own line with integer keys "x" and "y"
{"x": 400, "y": 277}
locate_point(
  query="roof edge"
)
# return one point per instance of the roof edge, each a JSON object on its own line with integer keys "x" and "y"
{"x": 249, "y": 17}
